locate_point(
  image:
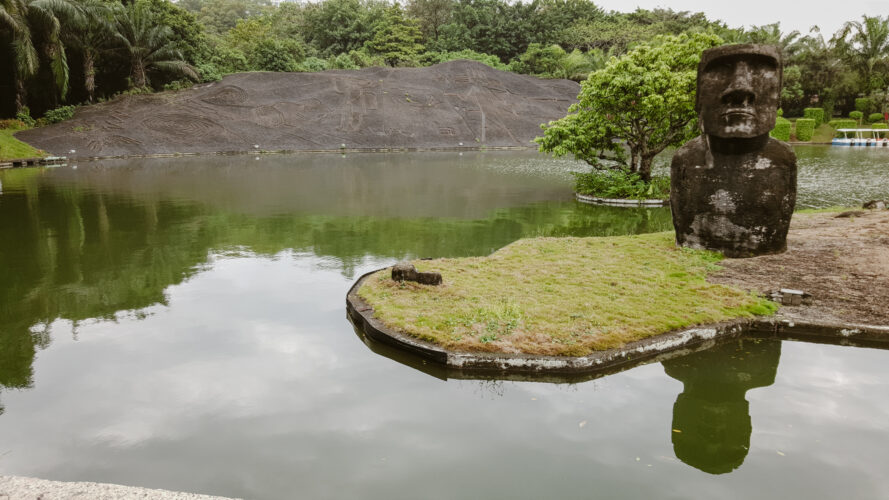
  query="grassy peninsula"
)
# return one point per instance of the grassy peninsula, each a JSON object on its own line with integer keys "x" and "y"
{"x": 11, "y": 148}
{"x": 561, "y": 296}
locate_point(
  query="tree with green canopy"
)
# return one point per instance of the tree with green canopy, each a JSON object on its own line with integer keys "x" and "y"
{"x": 642, "y": 102}
{"x": 865, "y": 44}
{"x": 397, "y": 38}
{"x": 90, "y": 38}
{"x": 149, "y": 46}
{"x": 35, "y": 27}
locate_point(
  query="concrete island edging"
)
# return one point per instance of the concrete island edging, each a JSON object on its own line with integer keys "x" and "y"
{"x": 651, "y": 349}
{"x": 620, "y": 202}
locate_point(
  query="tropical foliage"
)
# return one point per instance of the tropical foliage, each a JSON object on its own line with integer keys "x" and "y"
{"x": 62, "y": 52}
{"x": 642, "y": 102}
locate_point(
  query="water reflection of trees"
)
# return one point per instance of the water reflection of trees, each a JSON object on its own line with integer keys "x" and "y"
{"x": 72, "y": 252}
{"x": 711, "y": 417}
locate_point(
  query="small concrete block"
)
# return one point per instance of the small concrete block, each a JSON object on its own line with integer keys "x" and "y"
{"x": 791, "y": 297}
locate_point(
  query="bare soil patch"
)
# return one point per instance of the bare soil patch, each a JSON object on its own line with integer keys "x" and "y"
{"x": 450, "y": 105}
{"x": 842, "y": 261}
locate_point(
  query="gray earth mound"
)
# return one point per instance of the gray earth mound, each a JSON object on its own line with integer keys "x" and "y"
{"x": 440, "y": 106}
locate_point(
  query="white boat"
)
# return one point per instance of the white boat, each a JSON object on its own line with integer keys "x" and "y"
{"x": 861, "y": 137}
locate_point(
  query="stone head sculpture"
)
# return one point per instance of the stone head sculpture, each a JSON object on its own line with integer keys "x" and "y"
{"x": 733, "y": 188}
{"x": 739, "y": 90}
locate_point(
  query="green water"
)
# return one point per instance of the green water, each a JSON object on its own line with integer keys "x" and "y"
{"x": 180, "y": 324}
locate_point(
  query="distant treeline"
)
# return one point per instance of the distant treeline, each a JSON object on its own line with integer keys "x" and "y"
{"x": 62, "y": 52}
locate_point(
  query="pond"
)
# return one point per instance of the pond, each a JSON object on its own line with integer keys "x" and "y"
{"x": 180, "y": 324}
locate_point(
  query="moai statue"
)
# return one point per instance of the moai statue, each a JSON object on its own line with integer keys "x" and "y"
{"x": 733, "y": 188}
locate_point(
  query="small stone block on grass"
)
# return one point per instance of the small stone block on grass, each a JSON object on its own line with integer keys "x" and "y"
{"x": 405, "y": 271}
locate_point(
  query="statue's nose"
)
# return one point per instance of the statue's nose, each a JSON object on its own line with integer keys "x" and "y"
{"x": 741, "y": 91}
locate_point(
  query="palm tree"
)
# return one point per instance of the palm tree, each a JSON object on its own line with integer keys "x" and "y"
{"x": 90, "y": 36}
{"x": 865, "y": 44}
{"x": 148, "y": 44}
{"x": 14, "y": 20}
{"x": 24, "y": 19}
{"x": 770, "y": 34}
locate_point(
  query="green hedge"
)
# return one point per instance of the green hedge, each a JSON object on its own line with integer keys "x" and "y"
{"x": 875, "y": 117}
{"x": 863, "y": 104}
{"x": 805, "y": 129}
{"x": 879, "y": 125}
{"x": 781, "y": 130}
{"x": 857, "y": 116}
{"x": 621, "y": 184}
{"x": 816, "y": 114}
{"x": 843, "y": 123}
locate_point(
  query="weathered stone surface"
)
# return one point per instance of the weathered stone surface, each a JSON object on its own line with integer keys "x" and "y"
{"x": 738, "y": 204}
{"x": 733, "y": 189}
{"x": 448, "y": 105}
{"x": 405, "y": 271}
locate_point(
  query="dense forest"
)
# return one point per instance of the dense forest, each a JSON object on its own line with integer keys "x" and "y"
{"x": 67, "y": 52}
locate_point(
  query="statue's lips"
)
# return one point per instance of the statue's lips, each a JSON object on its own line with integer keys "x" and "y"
{"x": 735, "y": 114}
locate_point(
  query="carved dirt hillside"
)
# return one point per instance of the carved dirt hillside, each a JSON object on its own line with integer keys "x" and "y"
{"x": 435, "y": 107}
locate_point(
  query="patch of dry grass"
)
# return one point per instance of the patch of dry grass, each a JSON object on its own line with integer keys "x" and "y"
{"x": 561, "y": 296}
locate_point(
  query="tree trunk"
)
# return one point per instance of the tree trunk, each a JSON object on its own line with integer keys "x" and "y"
{"x": 645, "y": 162}
{"x": 89, "y": 74}
{"x": 139, "y": 74}
{"x": 21, "y": 94}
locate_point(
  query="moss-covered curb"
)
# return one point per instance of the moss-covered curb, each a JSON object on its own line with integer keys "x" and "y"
{"x": 620, "y": 202}
{"x": 473, "y": 365}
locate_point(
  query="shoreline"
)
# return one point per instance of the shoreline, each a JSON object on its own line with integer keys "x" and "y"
{"x": 22, "y": 487}
{"x": 651, "y": 349}
{"x": 842, "y": 310}
{"x": 456, "y": 149}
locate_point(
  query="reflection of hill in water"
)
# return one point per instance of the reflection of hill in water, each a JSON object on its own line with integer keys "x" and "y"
{"x": 76, "y": 249}
{"x": 711, "y": 417}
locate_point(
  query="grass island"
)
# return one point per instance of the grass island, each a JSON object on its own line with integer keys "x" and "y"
{"x": 574, "y": 297}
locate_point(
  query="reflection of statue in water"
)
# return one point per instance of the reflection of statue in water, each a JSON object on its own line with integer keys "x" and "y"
{"x": 733, "y": 188}
{"x": 711, "y": 415}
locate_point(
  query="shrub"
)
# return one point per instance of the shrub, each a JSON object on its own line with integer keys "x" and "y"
{"x": 312, "y": 65}
{"x": 365, "y": 59}
{"x": 816, "y": 114}
{"x": 805, "y": 129}
{"x": 209, "y": 72}
{"x": 13, "y": 124}
{"x": 863, "y": 104}
{"x": 780, "y": 112}
{"x": 843, "y": 123}
{"x": 178, "y": 85}
{"x": 857, "y": 116}
{"x": 879, "y": 125}
{"x": 59, "y": 114}
{"x": 781, "y": 130}
{"x": 274, "y": 55}
{"x": 25, "y": 116}
{"x": 620, "y": 184}
{"x": 430, "y": 58}
{"x": 875, "y": 117}
{"x": 342, "y": 61}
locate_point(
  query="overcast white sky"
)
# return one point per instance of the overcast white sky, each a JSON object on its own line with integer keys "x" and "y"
{"x": 792, "y": 14}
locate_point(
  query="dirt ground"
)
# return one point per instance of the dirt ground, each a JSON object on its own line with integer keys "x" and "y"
{"x": 450, "y": 105}
{"x": 841, "y": 260}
